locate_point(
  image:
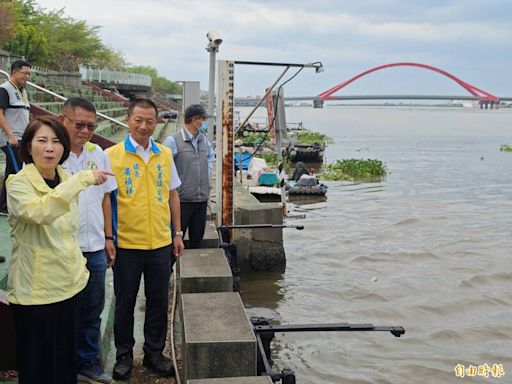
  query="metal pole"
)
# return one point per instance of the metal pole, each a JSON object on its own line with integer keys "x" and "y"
{"x": 211, "y": 94}
{"x": 60, "y": 97}
{"x": 224, "y": 150}
{"x": 262, "y": 99}
{"x": 280, "y": 126}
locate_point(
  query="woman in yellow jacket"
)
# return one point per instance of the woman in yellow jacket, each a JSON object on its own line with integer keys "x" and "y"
{"x": 47, "y": 270}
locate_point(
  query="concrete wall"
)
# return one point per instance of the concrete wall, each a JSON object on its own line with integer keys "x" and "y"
{"x": 71, "y": 79}
{"x": 6, "y": 60}
{"x": 258, "y": 249}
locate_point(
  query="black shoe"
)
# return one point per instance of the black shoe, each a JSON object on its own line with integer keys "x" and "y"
{"x": 161, "y": 365}
{"x": 2, "y": 259}
{"x": 123, "y": 367}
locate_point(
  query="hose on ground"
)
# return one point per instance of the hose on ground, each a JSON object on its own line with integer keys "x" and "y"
{"x": 173, "y": 310}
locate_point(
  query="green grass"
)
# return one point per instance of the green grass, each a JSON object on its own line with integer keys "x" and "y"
{"x": 505, "y": 148}
{"x": 354, "y": 169}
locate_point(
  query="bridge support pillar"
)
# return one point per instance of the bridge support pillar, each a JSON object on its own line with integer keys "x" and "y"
{"x": 318, "y": 103}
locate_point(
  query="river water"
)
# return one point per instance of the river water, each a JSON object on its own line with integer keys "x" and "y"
{"x": 427, "y": 248}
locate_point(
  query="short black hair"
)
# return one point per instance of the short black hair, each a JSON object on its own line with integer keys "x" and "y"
{"x": 18, "y": 64}
{"x": 33, "y": 127}
{"x": 142, "y": 103}
{"x": 79, "y": 102}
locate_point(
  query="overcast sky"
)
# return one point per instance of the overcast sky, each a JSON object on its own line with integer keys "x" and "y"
{"x": 468, "y": 38}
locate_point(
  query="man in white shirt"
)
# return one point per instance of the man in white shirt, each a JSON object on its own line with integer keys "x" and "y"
{"x": 95, "y": 235}
{"x": 147, "y": 204}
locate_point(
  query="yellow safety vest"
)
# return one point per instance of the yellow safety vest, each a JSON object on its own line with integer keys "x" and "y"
{"x": 142, "y": 218}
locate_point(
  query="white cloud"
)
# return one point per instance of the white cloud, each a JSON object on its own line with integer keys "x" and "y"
{"x": 347, "y": 37}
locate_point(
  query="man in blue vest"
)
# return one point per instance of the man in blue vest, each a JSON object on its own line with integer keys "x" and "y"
{"x": 14, "y": 118}
{"x": 193, "y": 156}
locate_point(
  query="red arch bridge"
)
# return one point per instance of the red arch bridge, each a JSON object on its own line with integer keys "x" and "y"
{"x": 485, "y": 99}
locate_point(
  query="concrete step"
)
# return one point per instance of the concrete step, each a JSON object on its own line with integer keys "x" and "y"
{"x": 218, "y": 339}
{"x": 204, "y": 270}
{"x": 210, "y": 238}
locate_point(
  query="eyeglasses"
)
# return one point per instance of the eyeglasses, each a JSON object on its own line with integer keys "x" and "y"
{"x": 81, "y": 125}
{"x": 24, "y": 73}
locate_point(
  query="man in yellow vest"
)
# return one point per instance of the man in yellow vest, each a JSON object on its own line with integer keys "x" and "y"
{"x": 147, "y": 203}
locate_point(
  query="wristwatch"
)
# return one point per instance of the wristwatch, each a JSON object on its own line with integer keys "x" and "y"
{"x": 178, "y": 233}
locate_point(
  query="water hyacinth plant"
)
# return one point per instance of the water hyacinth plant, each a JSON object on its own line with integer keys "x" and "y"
{"x": 309, "y": 137}
{"x": 270, "y": 158}
{"x": 505, "y": 148}
{"x": 354, "y": 169}
{"x": 254, "y": 138}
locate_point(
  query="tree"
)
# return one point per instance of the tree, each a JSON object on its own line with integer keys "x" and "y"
{"x": 29, "y": 42}
{"x": 110, "y": 59}
{"x": 159, "y": 84}
{"x": 69, "y": 39}
{"x": 6, "y": 21}
{"x": 52, "y": 40}
{"x": 26, "y": 39}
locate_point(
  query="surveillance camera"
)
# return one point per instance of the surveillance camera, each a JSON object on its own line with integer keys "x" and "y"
{"x": 214, "y": 37}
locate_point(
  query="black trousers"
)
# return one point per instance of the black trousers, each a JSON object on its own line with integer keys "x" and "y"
{"x": 156, "y": 265}
{"x": 46, "y": 341}
{"x": 9, "y": 170}
{"x": 193, "y": 218}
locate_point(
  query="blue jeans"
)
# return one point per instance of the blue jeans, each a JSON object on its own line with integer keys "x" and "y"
{"x": 93, "y": 301}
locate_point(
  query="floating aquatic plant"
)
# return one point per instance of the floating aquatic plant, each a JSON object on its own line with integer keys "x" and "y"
{"x": 254, "y": 137}
{"x": 505, "y": 148}
{"x": 351, "y": 169}
{"x": 310, "y": 137}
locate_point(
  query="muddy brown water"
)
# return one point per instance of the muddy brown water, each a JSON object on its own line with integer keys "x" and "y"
{"x": 427, "y": 248}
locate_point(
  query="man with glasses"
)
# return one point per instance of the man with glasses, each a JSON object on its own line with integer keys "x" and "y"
{"x": 14, "y": 118}
{"x": 95, "y": 235}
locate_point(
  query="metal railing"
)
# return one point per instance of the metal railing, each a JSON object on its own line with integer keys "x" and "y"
{"x": 114, "y": 77}
{"x": 60, "y": 97}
